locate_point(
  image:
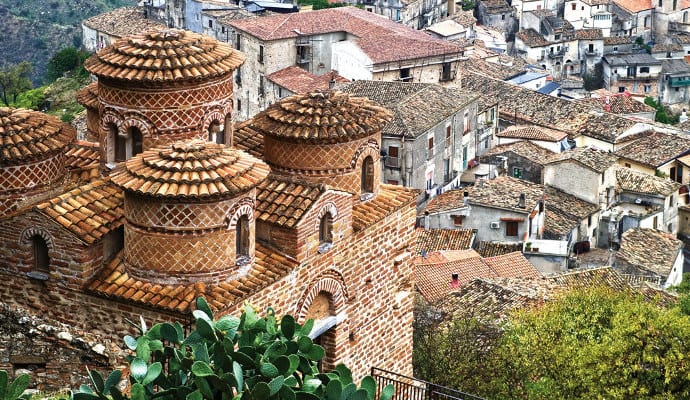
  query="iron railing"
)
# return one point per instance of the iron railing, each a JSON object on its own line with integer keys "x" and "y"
{"x": 408, "y": 388}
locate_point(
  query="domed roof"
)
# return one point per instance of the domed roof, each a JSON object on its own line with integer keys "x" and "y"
{"x": 189, "y": 170}
{"x": 28, "y": 135}
{"x": 88, "y": 95}
{"x": 164, "y": 55}
{"x": 322, "y": 116}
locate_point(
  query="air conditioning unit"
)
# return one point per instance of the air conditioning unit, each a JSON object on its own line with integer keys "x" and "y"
{"x": 495, "y": 225}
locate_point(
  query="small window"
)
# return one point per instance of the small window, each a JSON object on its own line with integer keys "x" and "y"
{"x": 368, "y": 175}
{"x": 405, "y": 75}
{"x": 392, "y": 182}
{"x": 210, "y": 23}
{"x": 239, "y": 104}
{"x": 503, "y": 17}
{"x": 242, "y": 239}
{"x": 517, "y": 172}
{"x": 589, "y": 220}
{"x": 430, "y": 149}
{"x": 574, "y": 6}
{"x": 628, "y": 165}
{"x": 39, "y": 248}
{"x": 238, "y": 41}
{"x": 261, "y": 54}
{"x": 222, "y": 29}
{"x": 393, "y": 159}
{"x": 445, "y": 72}
{"x": 621, "y": 89}
{"x": 466, "y": 123}
{"x": 448, "y": 135}
{"x": 457, "y": 219}
{"x": 326, "y": 229}
{"x": 511, "y": 228}
{"x": 602, "y": 178}
{"x": 647, "y": 88}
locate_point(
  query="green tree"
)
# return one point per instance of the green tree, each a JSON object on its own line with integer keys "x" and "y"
{"x": 245, "y": 358}
{"x": 14, "y": 80}
{"x": 662, "y": 114}
{"x": 66, "y": 60}
{"x": 594, "y": 79}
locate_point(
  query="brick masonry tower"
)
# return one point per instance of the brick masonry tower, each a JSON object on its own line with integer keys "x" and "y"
{"x": 161, "y": 87}
{"x": 88, "y": 97}
{"x": 189, "y": 212}
{"x": 325, "y": 137}
{"x": 32, "y": 156}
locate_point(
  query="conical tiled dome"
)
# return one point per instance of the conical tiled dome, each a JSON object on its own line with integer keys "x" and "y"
{"x": 194, "y": 169}
{"x": 165, "y": 55}
{"x": 88, "y": 96}
{"x": 29, "y": 135}
{"x": 327, "y": 117}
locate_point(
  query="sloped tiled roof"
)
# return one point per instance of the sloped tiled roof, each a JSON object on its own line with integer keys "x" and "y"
{"x": 564, "y": 212}
{"x": 525, "y": 149}
{"x": 284, "y": 202}
{"x": 589, "y": 34}
{"x": 381, "y": 39}
{"x": 664, "y": 47}
{"x": 492, "y": 70}
{"x": 30, "y": 135}
{"x": 114, "y": 282}
{"x": 328, "y": 117}
{"x": 192, "y": 169}
{"x": 629, "y": 180}
{"x": 512, "y": 264}
{"x": 82, "y": 159}
{"x": 89, "y": 211}
{"x": 532, "y": 133}
{"x": 591, "y": 157}
{"x": 446, "y": 201}
{"x": 635, "y": 5}
{"x": 431, "y": 240}
{"x": 655, "y": 149}
{"x": 532, "y": 38}
{"x": 417, "y": 107}
{"x": 617, "y": 104}
{"x": 493, "y": 249}
{"x": 299, "y": 80}
{"x": 88, "y": 96}
{"x": 249, "y": 140}
{"x": 389, "y": 199}
{"x": 164, "y": 55}
{"x": 612, "y": 40}
{"x": 504, "y": 192}
{"x": 122, "y": 21}
{"x": 649, "y": 249}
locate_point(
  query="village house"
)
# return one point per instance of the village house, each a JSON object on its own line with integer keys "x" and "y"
{"x": 294, "y": 80}
{"x": 622, "y": 104}
{"x": 589, "y": 15}
{"x": 590, "y": 44}
{"x": 177, "y": 216}
{"x": 451, "y": 30}
{"x": 558, "y": 57}
{"x": 651, "y": 255}
{"x": 522, "y": 159}
{"x": 550, "y": 139}
{"x": 636, "y": 73}
{"x": 497, "y": 14}
{"x": 657, "y": 153}
{"x": 102, "y": 30}
{"x": 446, "y": 211}
{"x": 357, "y": 44}
{"x": 618, "y": 44}
{"x": 432, "y": 136}
{"x": 674, "y": 82}
{"x": 632, "y": 18}
{"x": 417, "y": 14}
{"x": 530, "y": 80}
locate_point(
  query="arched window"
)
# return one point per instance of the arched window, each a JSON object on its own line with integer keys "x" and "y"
{"x": 242, "y": 240}
{"x": 39, "y": 248}
{"x": 215, "y": 133}
{"x": 368, "y": 175}
{"x": 112, "y": 140}
{"x": 136, "y": 143}
{"x": 326, "y": 229}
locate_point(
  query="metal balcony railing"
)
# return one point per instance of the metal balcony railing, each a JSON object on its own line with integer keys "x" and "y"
{"x": 408, "y": 388}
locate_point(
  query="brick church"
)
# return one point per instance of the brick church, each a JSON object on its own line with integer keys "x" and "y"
{"x": 166, "y": 202}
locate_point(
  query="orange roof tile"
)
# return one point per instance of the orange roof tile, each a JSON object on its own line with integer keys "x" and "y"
{"x": 431, "y": 240}
{"x": 533, "y": 133}
{"x": 88, "y": 96}
{"x": 493, "y": 249}
{"x": 247, "y": 139}
{"x": 635, "y": 5}
{"x": 113, "y": 281}
{"x": 164, "y": 55}
{"x": 512, "y": 265}
{"x": 89, "y": 211}
{"x": 298, "y": 80}
{"x": 389, "y": 199}
{"x": 83, "y": 161}
{"x": 193, "y": 169}
{"x": 434, "y": 280}
{"x": 446, "y": 201}
{"x": 27, "y": 135}
{"x": 330, "y": 117}
{"x": 284, "y": 202}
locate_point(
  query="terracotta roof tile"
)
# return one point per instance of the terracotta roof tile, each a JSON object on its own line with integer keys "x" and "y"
{"x": 193, "y": 169}
{"x": 617, "y": 104}
{"x": 88, "y": 96}
{"x": 504, "y": 192}
{"x": 431, "y": 240}
{"x": 89, "y": 211}
{"x": 612, "y": 40}
{"x": 655, "y": 148}
{"x": 589, "y": 34}
{"x": 164, "y": 55}
{"x": 284, "y": 202}
{"x": 82, "y": 156}
{"x": 381, "y": 39}
{"x": 564, "y": 212}
{"x": 635, "y": 5}
{"x": 493, "y": 249}
{"x": 122, "y": 21}
{"x": 114, "y": 282}
{"x": 664, "y": 47}
{"x": 298, "y": 80}
{"x": 446, "y": 201}
{"x": 532, "y": 38}
{"x": 248, "y": 139}
{"x": 512, "y": 265}
{"x": 591, "y": 157}
{"x": 532, "y": 133}
{"x": 389, "y": 199}
{"x": 28, "y": 135}
{"x": 417, "y": 107}
{"x": 525, "y": 149}
{"x": 329, "y": 117}
{"x": 629, "y": 180}
{"x": 649, "y": 249}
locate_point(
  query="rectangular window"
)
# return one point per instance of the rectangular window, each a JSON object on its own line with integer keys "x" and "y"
{"x": 210, "y": 23}
{"x": 511, "y": 228}
{"x": 261, "y": 54}
{"x": 238, "y": 39}
{"x": 621, "y": 89}
{"x": 466, "y": 123}
{"x": 393, "y": 159}
{"x": 261, "y": 86}
{"x": 431, "y": 148}
{"x": 517, "y": 172}
{"x": 644, "y": 70}
{"x": 445, "y": 72}
{"x": 590, "y": 48}
{"x": 405, "y": 75}
{"x": 457, "y": 219}
{"x": 448, "y": 136}
{"x": 574, "y": 6}
{"x": 239, "y": 105}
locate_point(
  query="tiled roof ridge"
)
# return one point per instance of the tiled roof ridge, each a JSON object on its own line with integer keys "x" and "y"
{"x": 164, "y": 55}
{"x": 631, "y": 180}
{"x": 192, "y": 169}
{"x": 29, "y": 135}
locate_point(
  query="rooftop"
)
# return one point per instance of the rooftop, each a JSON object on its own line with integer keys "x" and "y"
{"x": 492, "y": 249}
{"x": 665, "y": 47}
{"x": 532, "y": 133}
{"x": 283, "y": 202}
{"x": 634, "y": 6}
{"x": 525, "y": 149}
{"x": 591, "y": 157}
{"x": 564, "y": 212}
{"x": 617, "y": 104}
{"x": 298, "y": 80}
{"x": 532, "y": 38}
{"x": 83, "y": 160}
{"x": 590, "y": 34}
{"x": 650, "y": 250}
{"x": 88, "y": 96}
{"x": 122, "y": 21}
{"x": 390, "y": 198}
{"x": 504, "y": 192}
{"x": 630, "y": 180}
{"x": 380, "y": 38}
{"x": 613, "y": 40}
{"x": 29, "y": 135}
{"x": 675, "y": 67}
{"x": 430, "y": 240}
{"x": 417, "y": 107}
{"x": 630, "y": 59}
{"x": 446, "y": 201}
{"x": 655, "y": 148}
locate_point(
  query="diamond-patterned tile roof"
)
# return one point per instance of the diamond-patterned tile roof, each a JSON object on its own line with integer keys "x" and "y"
{"x": 532, "y": 133}
{"x": 649, "y": 249}
{"x": 389, "y": 199}
{"x": 493, "y": 249}
{"x": 88, "y": 96}
{"x": 327, "y": 117}
{"x": 164, "y": 55}
{"x": 114, "y": 282}
{"x": 192, "y": 169}
{"x": 283, "y": 202}
{"x": 655, "y": 149}
{"x": 431, "y": 240}
{"x": 28, "y": 135}
{"x": 89, "y": 211}
{"x": 525, "y": 149}
{"x": 299, "y": 80}
{"x": 630, "y": 180}
{"x": 381, "y": 39}
{"x": 446, "y": 201}
{"x": 591, "y": 157}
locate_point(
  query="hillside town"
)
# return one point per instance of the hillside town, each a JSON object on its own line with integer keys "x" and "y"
{"x": 357, "y": 166}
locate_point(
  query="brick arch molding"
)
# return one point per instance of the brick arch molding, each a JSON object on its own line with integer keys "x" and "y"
{"x": 217, "y": 114}
{"x": 328, "y": 208}
{"x": 110, "y": 117}
{"x": 138, "y": 121}
{"x": 332, "y": 282}
{"x": 28, "y": 233}
{"x": 370, "y": 148}
{"x": 242, "y": 207}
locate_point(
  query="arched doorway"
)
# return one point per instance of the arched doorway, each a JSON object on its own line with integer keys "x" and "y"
{"x": 322, "y": 311}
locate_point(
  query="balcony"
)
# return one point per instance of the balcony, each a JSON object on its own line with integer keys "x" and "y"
{"x": 618, "y": 77}
{"x": 408, "y": 388}
{"x": 392, "y": 162}
{"x": 592, "y": 53}
{"x": 556, "y": 54}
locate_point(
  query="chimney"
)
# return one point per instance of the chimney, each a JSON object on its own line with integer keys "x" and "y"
{"x": 451, "y": 7}
{"x": 426, "y": 219}
{"x": 521, "y": 201}
{"x": 454, "y": 282}
{"x": 465, "y": 197}
{"x": 683, "y": 117}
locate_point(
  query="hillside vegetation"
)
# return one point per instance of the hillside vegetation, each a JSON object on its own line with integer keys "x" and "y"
{"x": 34, "y": 30}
